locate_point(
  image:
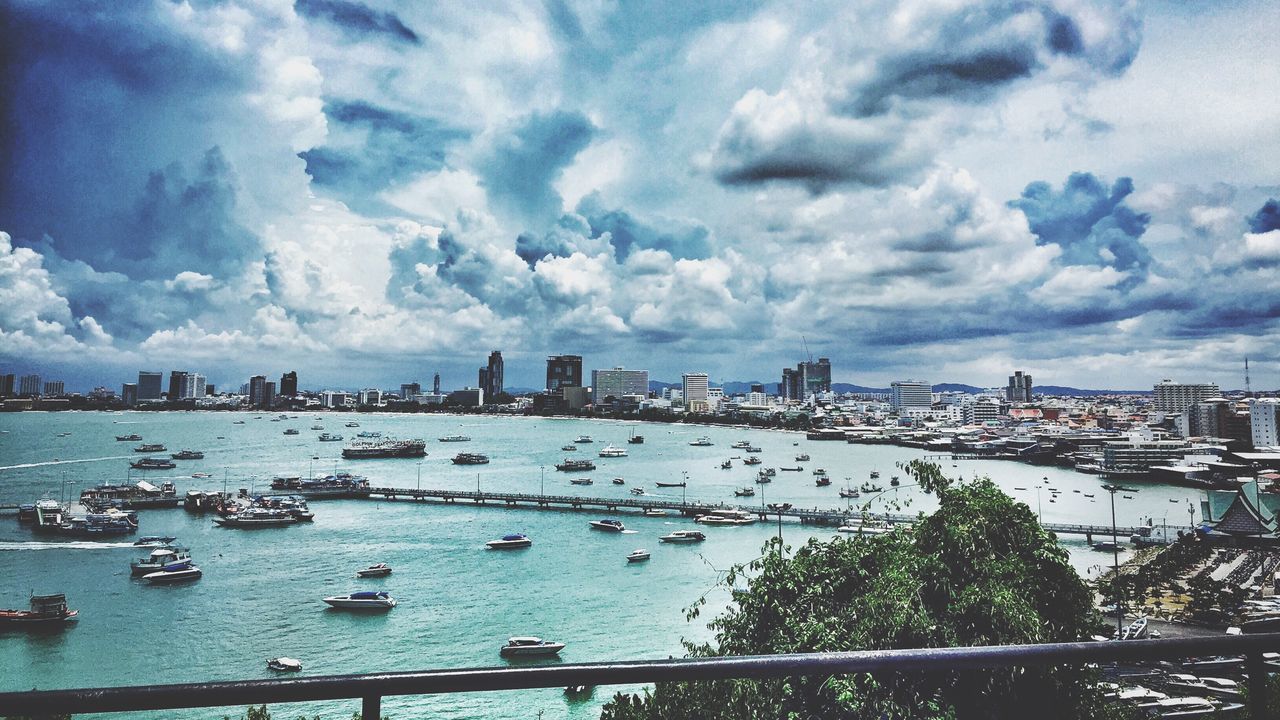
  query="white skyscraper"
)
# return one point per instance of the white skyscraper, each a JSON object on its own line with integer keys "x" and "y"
{"x": 1264, "y": 422}
{"x": 618, "y": 382}
{"x": 694, "y": 389}
{"x": 910, "y": 393}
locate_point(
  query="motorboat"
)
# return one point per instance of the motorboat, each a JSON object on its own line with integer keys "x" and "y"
{"x": 174, "y": 573}
{"x": 510, "y": 542}
{"x": 683, "y": 536}
{"x": 583, "y": 439}
{"x": 609, "y": 525}
{"x": 187, "y": 455}
{"x": 569, "y": 448}
{"x": 638, "y": 555}
{"x": 530, "y": 646}
{"x": 364, "y": 600}
{"x": 741, "y": 444}
{"x": 330, "y": 437}
{"x": 802, "y": 457}
{"x": 726, "y": 517}
{"x": 455, "y": 438}
{"x": 154, "y": 540}
{"x": 257, "y": 518}
{"x": 703, "y": 441}
{"x": 822, "y": 481}
{"x": 819, "y": 471}
{"x": 654, "y": 512}
{"x": 752, "y": 460}
{"x": 637, "y": 491}
{"x": 744, "y": 492}
{"x": 470, "y": 459}
{"x": 292, "y": 431}
{"x": 150, "y": 447}
{"x": 45, "y": 610}
{"x": 619, "y": 481}
{"x": 581, "y": 481}
{"x": 153, "y": 464}
{"x": 284, "y": 664}
{"x": 134, "y": 437}
{"x": 159, "y": 559}
{"x": 374, "y": 571}
{"x": 670, "y": 484}
{"x": 612, "y": 451}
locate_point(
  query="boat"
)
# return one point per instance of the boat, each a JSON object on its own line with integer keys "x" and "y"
{"x": 353, "y": 423}
{"x": 744, "y": 492}
{"x": 683, "y": 536}
{"x": 530, "y": 646}
{"x": 341, "y": 485}
{"x": 140, "y": 495}
{"x": 188, "y": 455}
{"x": 752, "y": 460}
{"x": 330, "y": 437}
{"x": 45, "y": 610}
{"x": 822, "y": 481}
{"x": 875, "y": 474}
{"x": 653, "y": 512}
{"x": 726, "y": 517}
{"x": 609, "y": 525}
{"x": 763, "y": 477}
{"x": 703, "y": 441}
{"x": 847, "y": 492}
{"x": 385, "y": 448}
{"x": 150, "y": 447}
{"x": 510, "y": 542}
{"x": 238, "y": 422}
{"x": 49, "y": 516}
{"x": 470, "y": 459}
{"x": 819, "y": 471}
{"x": 291, "y": 431}
{"x": 802, "y": 457}
{"x": 611, "y": 451}
{"x": 752, "y": 449}
{"x": 575, "y": 465}
{"x": 727, "y": 464}
{"x": 771, "y": 472}
{"x": 582, "y": 439}
{"x": 638, "y": 555}
{"x": 670, "y": 484}
{"x": 201, "y": 475}
{"x": 894, "y": 481}
{"x": 159, "y": 559}
{"x": 741, "y": 444}
{"x": 619, "y": 481}
{"x": 1108, "y": 546}
{"x": 257, "y": 518}
{"x": 866, "y": 528}
{"x": 317, "y": 427}
{"x": 794, "y": 469}
{"x": 455, "y": 438}
{"x": 637, "y": 491}
{"x": 153, "y": 464}
{"x": 581, "y": 481}
{"x": 374, "y": 571}
{"x": 579, "y": 690}
{"x": 364, "y": 600}
{"x": 369, "y": 434}
{"x": 129, "y": 438}
{"x": 174, "y": 573}
{"x": 111, "y": 522}
{"x": 284, "y": 664}
{"x": 636, "y": 440}
{"x": 569, "y": 448}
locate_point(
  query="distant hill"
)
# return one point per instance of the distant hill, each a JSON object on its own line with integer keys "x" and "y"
{"x": 1064, "y": 390}
{"x": 736, "y": 386}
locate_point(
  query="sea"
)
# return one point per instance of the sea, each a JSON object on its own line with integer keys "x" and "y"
{"x": 260, "y": 595}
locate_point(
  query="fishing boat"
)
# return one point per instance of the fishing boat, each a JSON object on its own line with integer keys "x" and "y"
{"x": 188, "y": 455}
{"x": 802, "y": 457}
{"x": 291, "y": 431}
{"x": 374, "y": 571}
{"x": 153, "y": 464}
{"x": 470, "y": 459}
{"x": 727, "y": 464}
{"x": 875, "y": 474}
{"x": 284, "y": 664}
{"x": 822, "y": 481}
{"x": 581, "y": 481}
{"x": 744, "y": 492}
{"x": 129, "y": 438}
{"x": 752, "y": 449}
{"x": 608, "y": 525}
{"x": 510, "y": 542}
{"x": 670, "y": 484}
{"x": 159, "y": 559}
{"x": 174, "y": 573}
{"x": 150, "y": 447}
{"x": 638, "y": 555}
{"x": 530, "y": 646}
{"x": 575, "y": 465}
{"x": 364, "y": 600}
{"x": 703, "y": 441}
{"x": 455, "y": 438}
{"x": 797, "y": 468}
{"x": 317, "y": 427}
{"x": 369, "y": 434}
{"x": 612, "y": 451}
{"x": 819, "y": 471}
{"x": 635, "y": 439}
{"x": 683, "y": 536}
{"x": 894, "y": 481}
{"x": 848, "y": 492}
{"x": 763, "y": 477}
{"x": 330, "y": 437}
{"x": 45, "y": 610}
{"x": 752, "y": 460}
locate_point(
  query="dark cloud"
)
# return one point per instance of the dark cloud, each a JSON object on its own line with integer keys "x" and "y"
{"x": 1089, "y": 221}
{"x": 522, "y": 165}
{"x": 531, "y": 248}
{"x": 965, "y": 76}
{"x": 1267, "y": 218}
{"x": 1064, "y": 34}
{"x": 628, "y": 233}
{"x": 358, "y": 19}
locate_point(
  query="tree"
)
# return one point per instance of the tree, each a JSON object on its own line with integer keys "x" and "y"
{"x": 978, "y": 571}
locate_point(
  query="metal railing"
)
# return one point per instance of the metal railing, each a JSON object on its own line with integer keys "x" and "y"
{"x": 371, "y": 688}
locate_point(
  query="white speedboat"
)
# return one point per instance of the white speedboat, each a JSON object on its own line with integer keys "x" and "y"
{"x": 612, "y": 451}
{"x": 159, "y": 559}
{"x": 366, "y": 600}
{"x": 683, "y": 536}
{"x": 583, "y": 439}
{"x": 379, "y": 570}
{"x": 638, "y": 555}
{"x": 174, "y": 573}
{"x": 510, "y": 542}
{"x": 530, "y": 646}
{"x": 703, "y": 441}
{"x": 154, "y": 541}
{"x": 284, "y": 664}
{"x": 610, "y": 525}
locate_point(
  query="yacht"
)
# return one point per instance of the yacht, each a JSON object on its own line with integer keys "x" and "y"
{"x": 703, "y": 441}
{"x": 175, "y": 572}
{"x": 612, "y": 451}
{"x": 188, "y": 455}
{"x": 365, "y": 600}
{"x": 527, "y": 646}
{"x": 45, "y": 609}
{"x": 683, "y": 536}
{"x": 584, "y": 439}
{"x": 609, "y": 525}
{"x": 455, "y": 438}
{"x": 470, "y": 459}
{"x": 745, "y": 492}
{"x": 159, "y": 559}
{"x": 284, "y": 664}
{"x": 374, "y": 571}
{"x": 638, "y": 555}
{"x": 330, "y": 437}
{"x": 726, "y": 517}
{"x": 581, "y": 481}
{"x": 510, "y": 542}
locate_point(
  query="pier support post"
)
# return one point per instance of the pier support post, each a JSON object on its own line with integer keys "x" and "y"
{"x": 1257, "y": 670}
{"x": 371, "y": 708}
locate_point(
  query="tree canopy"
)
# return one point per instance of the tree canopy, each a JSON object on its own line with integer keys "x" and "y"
{"x": 978, "y": 571}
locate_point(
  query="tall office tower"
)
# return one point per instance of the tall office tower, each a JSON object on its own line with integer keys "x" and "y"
{"x": 129, "y": 394}
{"x": 193, "y": 386}
{"x": 694, "y": 389}
{"x": 261, "y": 392}
{"x": 483, "y": 378}
{"x": 435, "y": 385}
{"x": 564, "y": 371}
{"x": 817, "y": 376}
{"x": 176, "y": 379}
{"x": 55, "y": 388}
{"x": 149, "y": 385}
{"x": 29, "y": 385}
{"x": 618, "y": 382}
{"x": 757, "y": 388}
{"x": 1170, "y": 397}
{"x": 289, "y": 384}
{"x": 910, "y": 393}
{"x": 6, "y": 385}
{"x": 789, "y": 388}
{"x": 493, "y": 385}
{"x": 1019, "y": 389}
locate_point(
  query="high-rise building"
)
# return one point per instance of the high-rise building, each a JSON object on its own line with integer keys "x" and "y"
{"x": 29, "y": 385}
{"x": 129, "y": 394}
{"x": 176, "y": 380}
{"x": 6, "y": 385}
{"x": 564, "y": 371}
{"x": 261, "y": 392}
{"x": 435, "y": 385}
{"x": 149, "y": 385}
{"x": 370, "y": 396}
{"x": 1264, "y": 422}
{"x": 1019, "y": 389}
{"x": 757, "y": 388}
{"x": 618, "y": 382}
{"x": 694, "y": 389}
{"x": 816, "y": 376}
{"x": 55, "y": 388}
{"x": 789, "y": 388}
{"x": 483, "y": 378}
{"x": 910, "y": 394}
{"x": 194, "y": 386}
{"x": 1170, "y": 397}
{"x": 289, "y": 384}
{"x": 492, "y": 384}
{"x": 409, "y": 391}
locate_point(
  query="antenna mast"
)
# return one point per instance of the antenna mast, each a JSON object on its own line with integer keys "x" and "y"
{"x": 1248, "y": 391}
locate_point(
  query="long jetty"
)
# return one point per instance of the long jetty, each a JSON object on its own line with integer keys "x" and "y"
{"x": 806, "y": 516}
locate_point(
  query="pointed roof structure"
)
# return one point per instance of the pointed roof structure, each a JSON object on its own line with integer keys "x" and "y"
{"x": 1248, "y": 517}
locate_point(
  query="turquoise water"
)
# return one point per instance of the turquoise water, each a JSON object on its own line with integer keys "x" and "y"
{"x": 260, "y": 594}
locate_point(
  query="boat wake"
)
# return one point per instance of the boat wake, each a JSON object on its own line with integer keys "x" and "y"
{"x": 75, "y": 545}
{"x": 630, "y": 532}
{"x": 64, "y": 462}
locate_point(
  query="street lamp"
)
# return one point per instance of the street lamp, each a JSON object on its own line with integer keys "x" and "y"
{"x": 780, "y": 508}
{"x": 1115, "y": 555}
{"x": 542, "y": 486}
{"x": 419, "y": 475}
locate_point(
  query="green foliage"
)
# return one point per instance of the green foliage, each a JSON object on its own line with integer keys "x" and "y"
{"x": 979, "y": 571}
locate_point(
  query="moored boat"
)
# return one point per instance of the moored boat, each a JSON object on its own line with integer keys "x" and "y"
{"x": 365, "y": 600}
{"x": 284, "y": 664}
{"x": 653, "y": 512}
{"x": 510, "y": 542}
{"x": 638, "y": 555}
{"x": 385, "y": 448}
{"x": 608, "y": 525}
{"x": 44, "y": 610}
{"x": 257, "y": 518}
{"x": 187, "y": 455}
{"x": 575, "y": 465}
{"x": 153, "y": 464}
{"x": 174, "y": 573}
{"x": 159, "y": 559}
{"x": 744, "y": 492}
{"x": 530, "y": 646}
{"x": 150, "y": 447}
{"x": 329, "y": 437}
{"x": 683, "y": 536}
{"x": 612, "y": 451}
{"x": 703, "y": 441}
{"x": 470, "y": 459}
{"x": 378, "y": 570}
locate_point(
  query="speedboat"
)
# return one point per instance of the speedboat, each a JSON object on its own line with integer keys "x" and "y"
{"x": 510, "y": 542}
{"x": 154, "y": 541}
{"x": 637, "y": 491}
{"x": 683, "y": 536}
{"x": 619, "y": 481}
{"x": 612, "y": 451}
{"x": 365, "y": 600}
{"x": 159, "y": 559}
{"x": 527, "y": 646}
{"x": 379, "y": 570}
{"x": 174, "y": 573}
{"x": 638, "y": 555}
{"x": 703, "y": 441}
{"x": 610, "y": 525}
{"x": 654, "y": 512}
{"x": 284, "y": 664}
{"x": 584, "y": 439}
{"x": 581, "y": 481}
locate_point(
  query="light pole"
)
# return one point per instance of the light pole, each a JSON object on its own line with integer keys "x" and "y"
{"x": 1115, "y": 556}
{"x": 419, "y": 487}
{"x": 542, "y": 484}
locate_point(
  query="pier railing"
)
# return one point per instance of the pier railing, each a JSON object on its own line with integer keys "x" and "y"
{"x": 371, "y": 688}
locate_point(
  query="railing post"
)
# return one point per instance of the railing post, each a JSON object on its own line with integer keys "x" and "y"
{"x": 371, "y": 707}
{"x": 1257, "y": 670}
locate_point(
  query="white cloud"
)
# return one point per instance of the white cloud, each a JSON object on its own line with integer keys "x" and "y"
{"x": 189, "y": 282}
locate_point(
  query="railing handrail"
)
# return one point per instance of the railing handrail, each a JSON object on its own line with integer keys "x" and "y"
{"x": 371, "y": 687}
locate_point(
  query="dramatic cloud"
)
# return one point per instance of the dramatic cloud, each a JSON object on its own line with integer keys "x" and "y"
{"x": 1267, "y": 218}
{"x": 358, "y": 19}
{"x": 1089, "y": 221}
{"x": 523, "y": 164}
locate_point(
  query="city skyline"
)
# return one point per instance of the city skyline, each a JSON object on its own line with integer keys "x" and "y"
{"x": 1081, "y": 190}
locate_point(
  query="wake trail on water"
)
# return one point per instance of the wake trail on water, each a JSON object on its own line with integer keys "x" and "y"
{"x": 12, "y": 546}
{"x": 64, "y": 462}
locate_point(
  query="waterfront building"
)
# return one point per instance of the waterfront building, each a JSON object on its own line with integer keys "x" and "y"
{"x": 410, "y": 391}
{"x": 981, "y": 410}
{"x": 261, "y": 392}
{"x": 435, "y": 385}
{"x": 129, "y": 394}
{"x": 693, "y": 389}
{"x": 195, "y": 386}
{"x": 615, "y": 383}
{"x": 1170, "y": 397}
{"x": 1019, "y": 389}
{"x": 149, "y": 385}
{"x": 289, "y": 384}
{"x": 482, "y": 378}
{"x": 467, "y": 397}
{"x": 789, "y": 388}
{"x": 335, "y": 399}
{"x": 1264, "y": 422}
{"x": 910, "y": 394}
{"x": 493, "y": 379}
{"x": 1140, "y": 452}
{"x": 29, "y": 385}
{"x": 6, "y": 385}
{"x": 184, "y": 385}
{"x": 370, "y": 396}
{"x": 563, "y": 371}
{"x": 55, "y": 388}
{"x": 176, "y": 378}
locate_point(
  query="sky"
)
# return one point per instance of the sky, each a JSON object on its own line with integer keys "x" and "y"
{"x": 371, "y": 192}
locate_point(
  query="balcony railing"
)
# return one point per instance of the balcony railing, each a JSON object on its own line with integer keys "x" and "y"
{"x": 371, "y": 688}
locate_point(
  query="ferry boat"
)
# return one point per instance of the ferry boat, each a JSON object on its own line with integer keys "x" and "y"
{"x": 528, "y": 646}
{"x": 583, "y": 439}
{"x": 638, "y": 555}
{"x": 726, "y": 517}
{"x": 158, "y": 559}
{"x": 683, "y": 536}
{"x": 150, "y": 447}
{"x": 295, "y": 506}
{"x": 609, "y": 525}
{"x": 330, "y": 437}
{"x": 129, "y": 438}
{"x": 284, "y": 664}
{"x": 45, "y": 610}
{"x": 141, "y": 495}
{"x": 703, "y": 441}
{"x": 581, "y": 481}
{"x": 111, "y": 522}
{"x": 470, "y": 459}
{"x": 257, "y": 518}
{"x": 385, "y": 448}
{"x": 374, "y": 571}
{"x": 365, "y": 600}
{"x": 174, "y": 573}
{"x": 612, "y": 451}
{"x": 49, "y": 516}
{"x": 153, "y": 464}
{"x": 575, "y": 465}
{"x": 510, "y": 542}
{"x": 744, "y": 492}
{"x": 188, "y": 455}
{"x": 455, "y": 438}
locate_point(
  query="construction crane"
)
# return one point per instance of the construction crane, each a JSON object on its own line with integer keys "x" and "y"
{"x": 808, "y": 355}
{"x": 1248, "y": 391}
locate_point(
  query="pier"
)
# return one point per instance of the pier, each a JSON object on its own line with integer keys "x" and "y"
{"x": 806, "y": 516}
